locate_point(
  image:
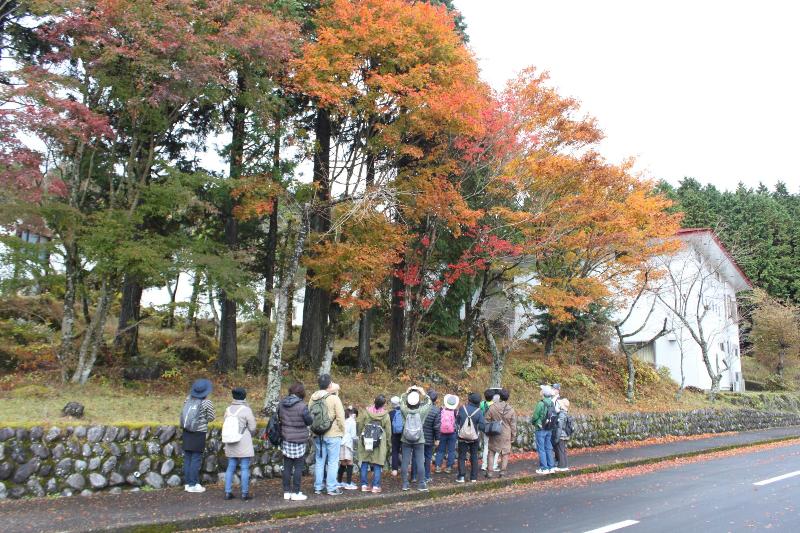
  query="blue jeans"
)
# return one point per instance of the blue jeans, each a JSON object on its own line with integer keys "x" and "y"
{"x": 544, "y": 445}
{"x": 327, "y": 455}
{"x": 376, "y": 474}
{"x": 191, "y": 467}
{"x": 244, "y": 473}
{"x": 447, "y": 443}
{"x": 428, "y": 458}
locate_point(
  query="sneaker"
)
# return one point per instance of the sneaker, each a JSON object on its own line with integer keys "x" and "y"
{"x": 228, "y": 496}
{"x": 246, "y": 497}
{"x": 423, "y": 488}
{"x": 350, "y": 486}
{"x": 376, "y": 490}
{"x": 448, "y": 470}
{"x": 459, "y": 480}
{"x": 196, "y": 488}
{"x": 186, "y": 488}
{"x": 542, "y": 471}
{"x": 473, "y": 480}
{"x": 438, "y": 470}
{"x": 559, "y": 469}
{"x": 335, "y": 492}
{"x": 429, "y": 480}
{"x": 299, "y": 497}
{"x": 405, "y": 487}
{"x": 317, "y": 491}
{"x": 366, "y": 488}
{"x": 287, "y": 495}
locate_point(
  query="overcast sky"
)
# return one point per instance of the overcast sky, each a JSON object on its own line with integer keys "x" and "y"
{"x": 709, "y": 89}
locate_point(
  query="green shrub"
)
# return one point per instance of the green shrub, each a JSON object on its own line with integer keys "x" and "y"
{"x": 535, "y": 373}
{"x": 776, "y": 383}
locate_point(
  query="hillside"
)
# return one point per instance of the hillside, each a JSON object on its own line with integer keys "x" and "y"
{"x": 591, "y": 377}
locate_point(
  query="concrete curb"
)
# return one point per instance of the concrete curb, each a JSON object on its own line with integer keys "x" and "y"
{"x": 260, "y": 515}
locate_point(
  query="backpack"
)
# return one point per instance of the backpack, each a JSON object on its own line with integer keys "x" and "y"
{"x": 569, "y": 426}
{"x": 412, "y": 429}
{"x": 371, "y": 435}
{"x": 190, "y": 415}
{"x": 274, "y": 430}
{"x": 230, "y": 427}
{"x": 467, "y": 431}
{"x": 550, "y": 420}
{"x": 321, "y": 421}
{"x": 448, "y": 421}
{"x": 397, "y": 422}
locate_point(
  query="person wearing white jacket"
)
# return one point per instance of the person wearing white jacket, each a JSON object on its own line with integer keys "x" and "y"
{"x": 240, "y": 453}
{"x": 347, "y": 451}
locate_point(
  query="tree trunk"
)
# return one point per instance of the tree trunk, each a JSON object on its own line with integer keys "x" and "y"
{"x": 214, "y": 314}
{"x": 93, "y": 337}
{"x": 275, "y": 366}
{"x": 364, "y": 334}
{"x": 469, "y": 349}
{"x": 316, "y": 302}
{"x": 269, "y": 257}
{"x": 173, "y": 293}
{"x": 66, "y": 352}
{"x": 781, "y": 361}
{"x": 330, "y": 337}
{"x": 630, "y": 392}
{"x": 227, "y": 357}
{"x": 191, "y": 312}
{"x": 126, "y": 340}
{"x": 397, "y": 339}
{"x": 498, "y": 358}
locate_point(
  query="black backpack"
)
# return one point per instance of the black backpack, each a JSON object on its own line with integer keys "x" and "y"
{"x": 550, "y": 420}
{"x": 274, "y": 430}
{"x": 569, "y": 426}
{"x": 371, "y": 435}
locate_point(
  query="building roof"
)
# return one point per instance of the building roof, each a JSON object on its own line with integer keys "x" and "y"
{"x": 708, "y": 232}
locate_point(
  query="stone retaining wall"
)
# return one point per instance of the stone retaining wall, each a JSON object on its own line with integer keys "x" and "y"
{"x": 82, "y": 460}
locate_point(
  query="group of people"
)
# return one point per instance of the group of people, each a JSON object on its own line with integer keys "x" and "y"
{"x": 413, "y": 434}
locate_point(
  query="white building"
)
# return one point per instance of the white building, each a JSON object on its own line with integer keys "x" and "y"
{"x": 696, "y": 294}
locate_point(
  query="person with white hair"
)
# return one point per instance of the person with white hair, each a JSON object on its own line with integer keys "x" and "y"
{"x": 544, "y": 416}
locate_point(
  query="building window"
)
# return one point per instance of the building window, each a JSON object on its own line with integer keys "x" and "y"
{"x": 643, "y": 351}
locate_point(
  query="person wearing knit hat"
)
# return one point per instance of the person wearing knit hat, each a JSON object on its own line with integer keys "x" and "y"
{"x": 447, "y": 434}
{"x": 396, "y": 418}
{"x": 414, "y": 405}
{"x": 541, "y": 421}
{"x": 469, "y": 415}
{"x": 241, "y": 452}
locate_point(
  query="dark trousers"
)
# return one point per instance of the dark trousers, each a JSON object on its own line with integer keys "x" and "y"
{"x": 191, "y": 467}
{"x": 428, "y": 458}
{"x": 345, "y": 469}
{"x": 556, "y": 451}
{"x": 292, "y": 471}
{"x": 397, "y": 450}
{"x": 418, "y": 450}
{"x": 561, "y": 453}
{"x": 470, "y": 448}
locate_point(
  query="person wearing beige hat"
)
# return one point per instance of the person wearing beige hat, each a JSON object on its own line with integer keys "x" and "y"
{"x": 447, "y": 434}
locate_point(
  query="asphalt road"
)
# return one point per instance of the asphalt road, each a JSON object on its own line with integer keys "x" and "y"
{"x": 717, "y": 495}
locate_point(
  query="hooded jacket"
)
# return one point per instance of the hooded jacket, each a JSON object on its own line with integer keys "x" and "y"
{"x": 295, "y": 419}
{"x": 247, "y": 424}
{"x": 378, "y": 455}
{"x": 423, "y": 408}
{"x": 335, "y": 412}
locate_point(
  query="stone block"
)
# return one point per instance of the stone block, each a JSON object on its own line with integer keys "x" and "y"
{"x": 76, "y": 481}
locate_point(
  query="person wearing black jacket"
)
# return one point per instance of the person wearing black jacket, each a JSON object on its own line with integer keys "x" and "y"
{"x": 473, "y": 411}
{"x": 295, "y": 419}
{"x": 431, "y": 427}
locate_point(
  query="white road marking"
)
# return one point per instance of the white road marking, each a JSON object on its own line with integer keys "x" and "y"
{"x": 614, "y": 527}
{"x": 777, "y": 478}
